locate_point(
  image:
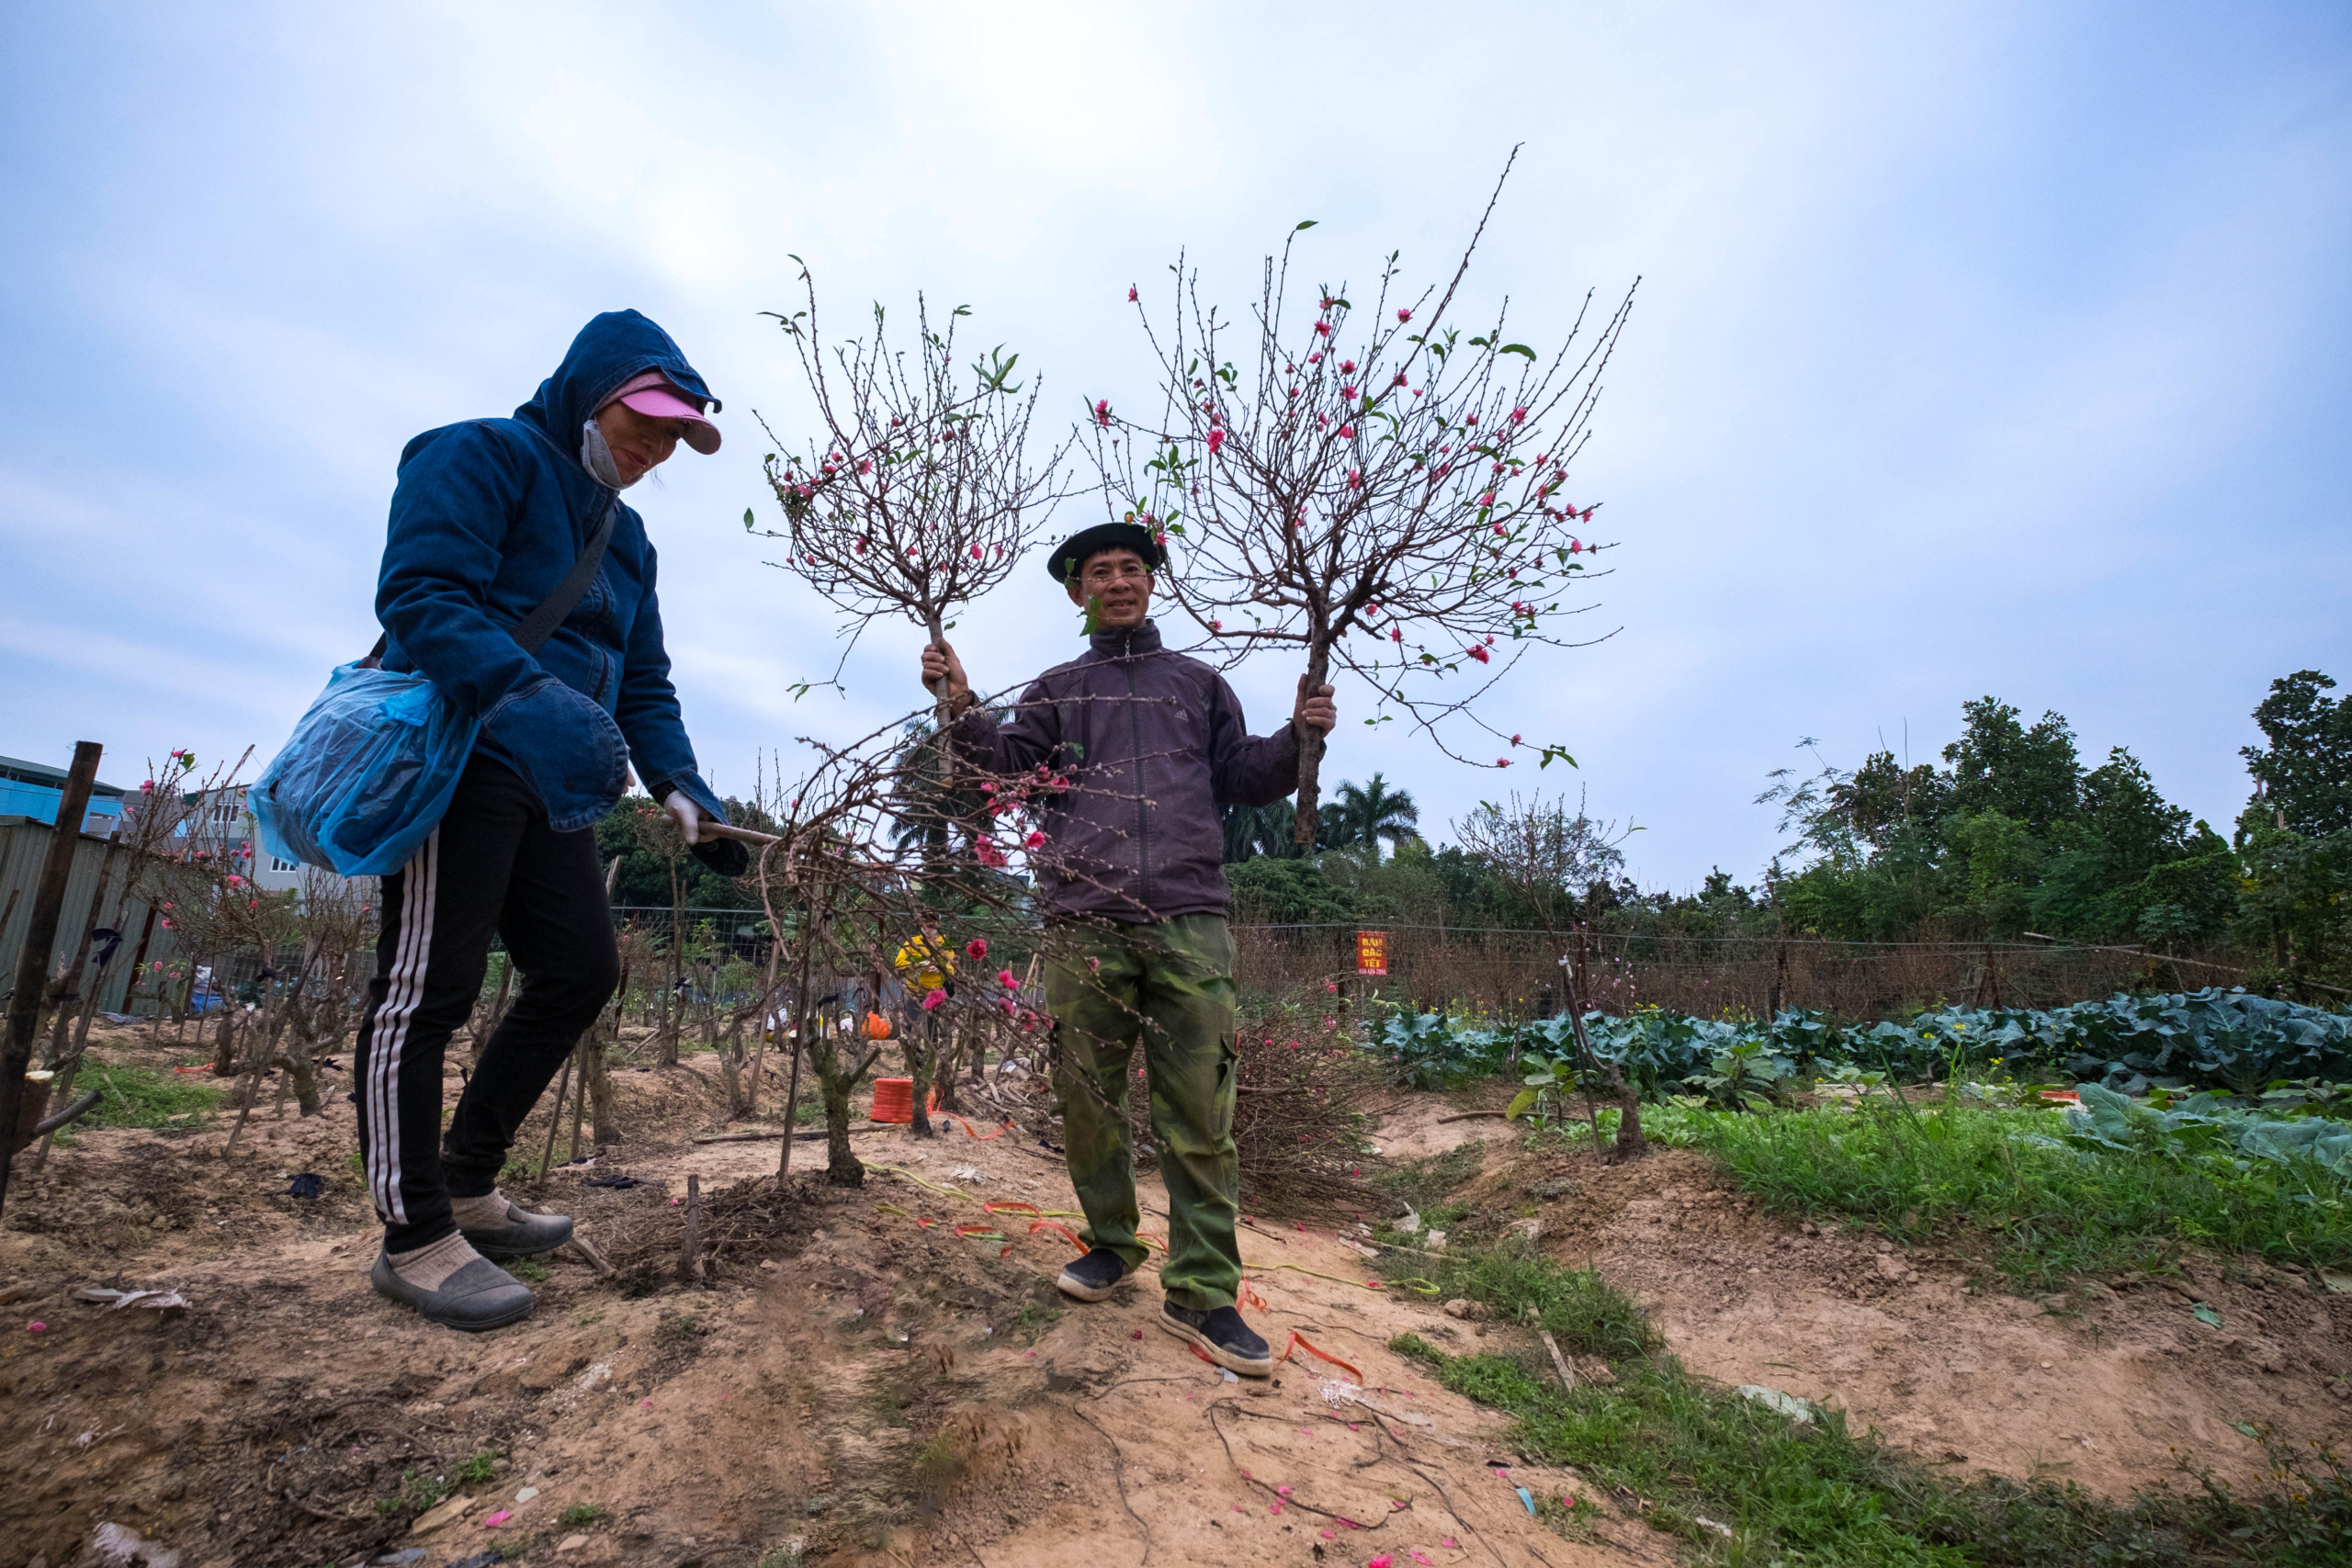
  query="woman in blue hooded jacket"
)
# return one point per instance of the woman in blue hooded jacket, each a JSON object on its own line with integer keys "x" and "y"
{"x": 488, "y": 516}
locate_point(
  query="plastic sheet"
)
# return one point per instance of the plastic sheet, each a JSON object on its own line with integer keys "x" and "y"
{"x": 368, "y": 772}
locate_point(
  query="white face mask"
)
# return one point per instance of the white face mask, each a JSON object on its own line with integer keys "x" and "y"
{"x": 598, "y": 457}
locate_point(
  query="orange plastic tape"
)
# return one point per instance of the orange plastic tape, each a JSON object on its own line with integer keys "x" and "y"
{"x": 1012, "y": 1208}
{"x": 1300, "y": 1342}
{"x": 988, "y": 1231}
{"x": 983, "y": 1137}
{"x": 1066, "y": 1233}
{"x": 1248, "y": 1297}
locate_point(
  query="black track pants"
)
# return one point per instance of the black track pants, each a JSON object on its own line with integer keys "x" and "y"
{"x": 493, "y": 866}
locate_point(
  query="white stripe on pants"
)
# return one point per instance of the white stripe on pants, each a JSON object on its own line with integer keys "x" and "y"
{"x": 388, "y": 1030}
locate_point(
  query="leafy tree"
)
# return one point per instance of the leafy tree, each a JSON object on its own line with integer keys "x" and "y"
{"x": 1271, "y": 890}
{"x": 2305, "y": 773}
{"x": 644, "y": 879}
{"x": 1998, "y": 765}
{"x": 2133, "y": 825}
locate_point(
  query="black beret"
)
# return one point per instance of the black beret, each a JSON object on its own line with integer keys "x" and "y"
{"x": 1071, "y": 554}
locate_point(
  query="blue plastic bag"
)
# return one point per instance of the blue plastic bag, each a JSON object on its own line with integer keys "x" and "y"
{"x": 367, "y": 773}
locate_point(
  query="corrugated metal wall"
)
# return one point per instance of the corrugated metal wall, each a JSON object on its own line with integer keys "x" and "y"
{"x": 24, "y": 845}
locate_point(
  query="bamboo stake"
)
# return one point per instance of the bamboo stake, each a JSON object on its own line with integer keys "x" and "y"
{"x": 1559, "y": 1362}
{"x": 690, "y": 1250}
{"x": 588, "y": 1042}
{"x": 555, "y": 1118}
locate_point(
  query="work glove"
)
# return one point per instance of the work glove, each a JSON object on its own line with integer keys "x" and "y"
{"x": 727, "y": 857}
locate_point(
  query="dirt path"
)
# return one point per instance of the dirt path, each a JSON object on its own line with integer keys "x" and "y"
{"x": 867, "y": 1387}
{"x": 850, "y": 1380}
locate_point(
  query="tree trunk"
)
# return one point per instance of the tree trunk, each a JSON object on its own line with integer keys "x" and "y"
{"x": 304, "y": 1074}
{"x": 672, "y": 1004}
{"x": 919, "y": 1066}
{"x": 1631, "y": 1144}
{"x": 224, "y": 1054}
{"x": 496, "y": 1014}
{"x": 841, "y": 1168}
{"x": 945, "y": 1067}
{"x": 1310, "y": 752}
{"x": 138, "y": 954}
{"x": 603, "y": 1108}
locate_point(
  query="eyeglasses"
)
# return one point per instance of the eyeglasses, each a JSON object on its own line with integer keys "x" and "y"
{"x": 1117, "y": 572}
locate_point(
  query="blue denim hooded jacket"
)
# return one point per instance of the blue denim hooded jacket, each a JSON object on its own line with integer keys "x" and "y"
{"x": 488, "y": 516}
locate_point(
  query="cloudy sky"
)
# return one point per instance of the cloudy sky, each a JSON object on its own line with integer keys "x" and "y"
{"x": 1980, "y": 348}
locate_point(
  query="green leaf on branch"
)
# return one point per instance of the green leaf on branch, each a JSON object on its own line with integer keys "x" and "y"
{"x": 1309, "y": 223}
{"x": 1518, "y": 348}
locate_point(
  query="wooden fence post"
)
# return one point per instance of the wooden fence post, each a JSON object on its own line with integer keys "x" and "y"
{"x": 33, "y": 965}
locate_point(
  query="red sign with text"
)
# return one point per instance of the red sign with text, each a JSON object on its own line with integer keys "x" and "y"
{"x": 1371, "y": 953}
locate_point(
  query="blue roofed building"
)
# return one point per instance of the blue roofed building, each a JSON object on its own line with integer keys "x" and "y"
{"x": 34, "y": 790}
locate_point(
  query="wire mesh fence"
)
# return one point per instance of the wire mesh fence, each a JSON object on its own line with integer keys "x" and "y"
{"x": 1524, "y": 974}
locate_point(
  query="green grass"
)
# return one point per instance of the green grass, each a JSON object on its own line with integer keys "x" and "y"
{"x": 479, "y": 1470}
{"x": 1034, "y": 1319}
{"x": 2052, "y": 1212}
{"x": 420, "y": 1491}
{"x": 1676, "y": 1449}
{"x": 677, "y": 1330}
{"x": 581, "y": 1514}
{"x": 1519, "y": 1285}
{"x": 530, "y": 1268}
{"x": 142, "y": 1096}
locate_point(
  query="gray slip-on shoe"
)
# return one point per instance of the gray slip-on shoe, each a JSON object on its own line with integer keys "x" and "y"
{"x": 480, "y": 1295}
{"x": 523, "y": 1234}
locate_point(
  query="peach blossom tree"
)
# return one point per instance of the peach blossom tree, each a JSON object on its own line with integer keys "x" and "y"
{"x": 1383, "y": 487}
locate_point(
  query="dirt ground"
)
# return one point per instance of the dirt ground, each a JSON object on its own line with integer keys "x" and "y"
{"x": 855, "y": 1382}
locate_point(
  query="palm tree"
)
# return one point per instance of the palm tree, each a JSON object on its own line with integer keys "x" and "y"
{"x": 1242, "y": 830}
{"x": 1373, "y": 813}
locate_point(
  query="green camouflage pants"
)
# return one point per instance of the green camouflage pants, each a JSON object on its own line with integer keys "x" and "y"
{"x": 1170, "y": 986}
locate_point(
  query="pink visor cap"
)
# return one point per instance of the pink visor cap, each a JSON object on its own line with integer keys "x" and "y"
{"x": 652, "y": 395}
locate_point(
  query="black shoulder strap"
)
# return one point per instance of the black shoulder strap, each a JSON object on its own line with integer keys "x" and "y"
{"x": 541, "y": 622}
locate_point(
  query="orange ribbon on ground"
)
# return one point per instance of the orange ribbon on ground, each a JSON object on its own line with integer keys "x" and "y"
{"x": 1300, "y": 1342}
{"x": 1065, "y": 1231}
{"x": 983, "y": 1137}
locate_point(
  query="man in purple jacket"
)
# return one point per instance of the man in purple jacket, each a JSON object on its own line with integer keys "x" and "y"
{"x": 1131, "y": 881}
